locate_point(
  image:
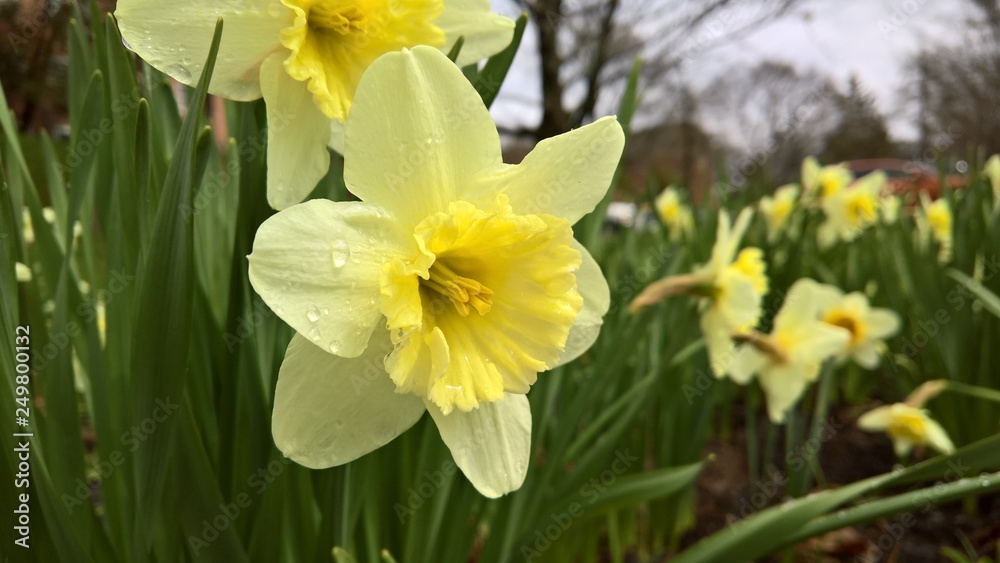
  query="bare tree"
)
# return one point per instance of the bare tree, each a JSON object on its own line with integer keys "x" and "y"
{"x": 586, "y": 48}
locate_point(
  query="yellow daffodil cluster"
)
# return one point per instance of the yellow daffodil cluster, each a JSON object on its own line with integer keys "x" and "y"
{"x": 674, "y": 214}
{"x": 306, "y": 59}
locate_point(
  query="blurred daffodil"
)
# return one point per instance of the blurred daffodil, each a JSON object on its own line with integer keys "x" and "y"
{"x": 447, "y": 288}
{"x": 674, "y": 214}
{"x": 869, "y": 326}
{"x": 305, "y": 57}
{"x": 824, "y": 181}
{"x": 889, "y": 209}
{"x": 778, "y": 208}
{"x": 22, "y": 272}
{"x": 27, "y": 227}
{"x": 851, "y": 210}
{"x": 907, "y": 426}
{"x": 992, "y": 172}
{"x": 731, "y": 287}
{"x": 935, "y": 222}
{"x": 789, "y": 358}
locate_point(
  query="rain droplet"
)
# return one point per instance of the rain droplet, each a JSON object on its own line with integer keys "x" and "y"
{"x": 312, "y": 313}
{"x": 127, "y": 46}
{"x": 326, "y": 310}
{"x": 341, "y": 253}
{"x": 334, "y": 347}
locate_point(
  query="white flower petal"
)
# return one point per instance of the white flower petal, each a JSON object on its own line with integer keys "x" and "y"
{"x": 485, "y": 33}
{"x": 593, "y": 287}
{"x": 566, "y": 176}
{"x": 297, "y": 136}
{"x": 876, "y": 419}
{"x": 317, "y": 266}
{"x": 411, "y": 154}
{"x": 491, "y": 444}
{"x": 330, "y": 410}
{"x": 174, "y": 37}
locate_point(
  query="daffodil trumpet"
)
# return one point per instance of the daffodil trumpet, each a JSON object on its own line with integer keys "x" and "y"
{"x": 305, "y": 58}
{"x": 447, "y": 288}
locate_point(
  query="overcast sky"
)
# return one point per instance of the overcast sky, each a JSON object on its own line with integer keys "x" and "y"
{"x": 870, "y": 38}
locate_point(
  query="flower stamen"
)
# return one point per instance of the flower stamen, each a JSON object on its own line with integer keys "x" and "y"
{"x": 461, "y": 291}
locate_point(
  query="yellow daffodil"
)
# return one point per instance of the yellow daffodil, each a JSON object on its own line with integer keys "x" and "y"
{"x": 869, "y": 326}
{"x": 778, "y": 208}
{"x": 992, "y": 171}
{"x": 731, "y": 287}
{"x": 674, "y": 214}
{"x": 824, "y": 181}
{"x": 851, "y": 210}
{"x": 789, "y": 358}
{"x": 447, "y": 288}
{"x": 889, "y": 209}
{"x": 305, "y": 57}
{"x": 907, "y": 426}
{"x": 935, "y": 221}
{"x": 22, "y": 271}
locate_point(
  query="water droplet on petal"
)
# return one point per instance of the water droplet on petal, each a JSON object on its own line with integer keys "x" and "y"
{"x": 326, "y": 310}
{"x": 312, "y": 313}
{"x": 341, "y": 253}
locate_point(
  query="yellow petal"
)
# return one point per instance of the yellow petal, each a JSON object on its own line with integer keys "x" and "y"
{"x": 412, "y": 154}
{"x": 491, "y": 444}
{"x": 875, "y": 420}
{"x": 330, "y": 410}
{"x": 593, "y": 287}
{"x": 297, "y": 137}
{"x": 485, "y": 33}
{"x": 783, "y": 385}
{"x": 174, "y": 37}
{"x": 317, "y": 266}
{"x": 565, "y": 176}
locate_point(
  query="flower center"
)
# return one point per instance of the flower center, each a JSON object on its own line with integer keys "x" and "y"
{"x": 332, "y": 42}
{"x": 462, "y": 292}
{"x": 750, "y": 264}
{"x": 861, "y": 209}
{"x": 517, "y": 272}
{"x": 908, "y": 426}
{"x": 847, "y": 322}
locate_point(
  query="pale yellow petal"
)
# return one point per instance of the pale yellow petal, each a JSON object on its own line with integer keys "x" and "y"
{"x": 485, "y": 32}
{"x": 783, "y": 385}
{"x": 593, "y": 287}
{"x": 876, "y": 420}
{"x": 174, "y": 37}
{"x": 330, "y": 410}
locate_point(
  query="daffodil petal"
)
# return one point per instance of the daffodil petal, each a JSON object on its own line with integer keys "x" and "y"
{"x": 317, "y": 266}
{"x": 801, "y": 306}
{"x": 330, "y": 410}
{"x": 22, "y": 271}
{"x": 783, "y": 386}
{"x": 566, "y": 176}
{"x": 901, "y": 446}
{"x": 592, "y": 286}
{"x": 882, "y": 323}
{"x": 297, "y": 136}
{"x": 174, "y": 37}
{"x": 485, "y": 33}
{"x": 412, "y": 154}
{"x": 746, "y": 362}
{"x": 937, "y": 438}
{"x": 337, "y": 130}
{"x": 490, "y": 444}
{"x": 718, "y": 341}
{"x": 866, "y": 355}
{"x": 876, "y": 419}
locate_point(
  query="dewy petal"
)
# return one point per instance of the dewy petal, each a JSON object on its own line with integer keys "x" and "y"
{"x": 491, "y": 444}
{"x": 174, "y": 37}
{"x": 593, "y": 287}
{"x": 330, "y": 410}
{"x": 485, "y": 33}
{"x": 297, "y": 136}
{"x": 566, "y": 176}
{"x": 412, "y": 154}
{"x": 317, "y": 266}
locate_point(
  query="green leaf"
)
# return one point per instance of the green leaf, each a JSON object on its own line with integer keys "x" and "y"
{"x": 163, "y": 322}
{"x": 490, "y": 79}
{"x": 989, "y": 299}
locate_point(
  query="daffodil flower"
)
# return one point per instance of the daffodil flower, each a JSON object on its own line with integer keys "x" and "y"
{"x": 22, "y": 272}
{"x": 850, "y": 211}
{"x": 992, "y": 171}
{"x": 778, "y": 208}
{"x": 889, "y": 209}
{"x": 674, "y": 214}
{"x": 730, "y": 287}
{"x": 935, "y": 221}
{"x": 824, "y": 181}
{"x": 789, "y": 358}
{"x": 447, "y": 288}
{"x": 907, "y": 426}
{"x": 868, "y": 326}
{"x": 305, "y": 57}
